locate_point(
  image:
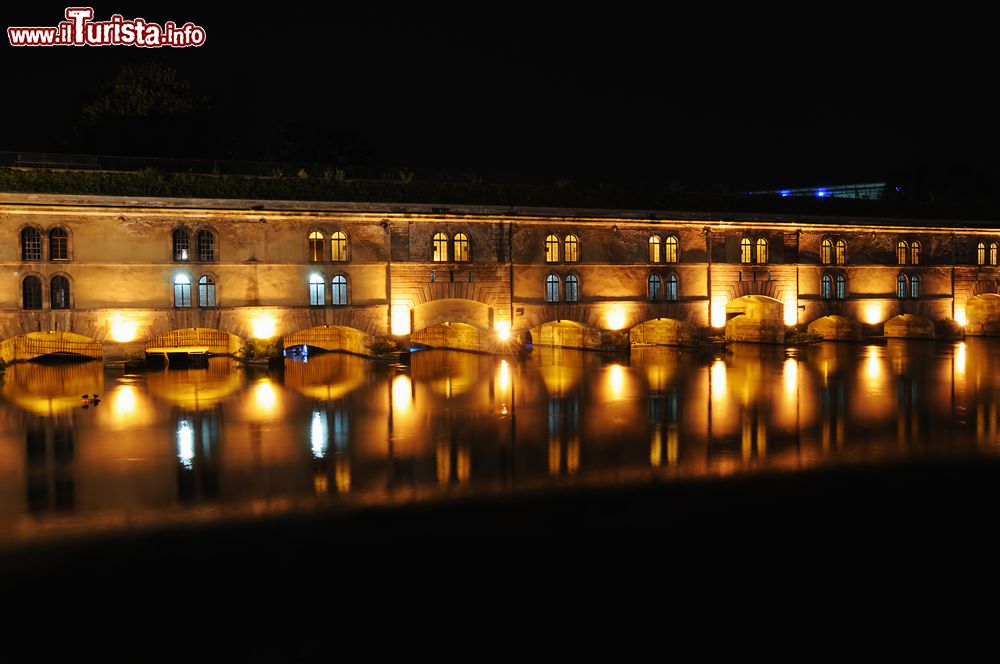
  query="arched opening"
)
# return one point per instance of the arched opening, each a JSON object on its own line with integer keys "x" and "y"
{"x": 315, "y": 246}
{"x": 329, "y": 338}
{"x": 206, "y": 245}
{"x": 654, "y": 249}
{"x": 193, "y": 341}
{"x": 663, "y": 332}
{"x": 58, "y": 244}
{"x": 50, "y": 345}
{"x": 566, "y": 334}
{"x": 461, "y": 247}
{"x": 338, "y": 246}
{"x": 59, "y": 292}
{"x": 755, "y": 318}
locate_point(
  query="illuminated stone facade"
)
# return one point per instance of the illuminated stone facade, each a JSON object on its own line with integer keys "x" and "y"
{"x": 126, "y": 272}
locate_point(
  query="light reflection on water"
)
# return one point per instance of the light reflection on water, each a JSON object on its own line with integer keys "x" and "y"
{"x": 342, "y": 428}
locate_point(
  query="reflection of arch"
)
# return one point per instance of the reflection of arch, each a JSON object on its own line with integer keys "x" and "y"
{"x": 566, "y": 334}
{"x": 195, "y": 340}
{"x": 662, "y": 332}
{"x": 326, "y": 377}
{"x": 196, "y": 389}
{"x": 33, "y": 345}
{"x": 48, "y": 390}
{"x": 331, "y": 337}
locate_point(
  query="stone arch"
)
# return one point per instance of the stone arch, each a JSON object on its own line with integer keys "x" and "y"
{"x": 564, "y": 333}
{"x": 909, "y": 326}
{"x": 453, "y": 323}
{"x": 983, "y": 314}
{"x": 663, "y": 332}
{"x": 195, "y": 340}
{"x": 835, "y": 328}
{"x": 34, "y": 345}
{"x": 331, "y": 337}
{"x": 755, "y": 318}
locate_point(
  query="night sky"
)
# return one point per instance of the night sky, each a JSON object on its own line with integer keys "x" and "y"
{"x": 713, "y": 98}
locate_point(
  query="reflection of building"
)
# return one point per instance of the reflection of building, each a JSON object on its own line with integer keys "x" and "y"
{"x": 211, "y": 274}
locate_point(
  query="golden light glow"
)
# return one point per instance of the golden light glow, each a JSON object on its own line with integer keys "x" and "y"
{"x": 719, "y": 311}
{"x": 614, "y": 317}
{"x": 791, "y": 376}
{"x": 503, "y": 330}
{"x": 263, "y": 327}
{"x": 616, "y": 380}
{"x": 960, "y": 359}
{"x": 503, "y": 377}
{"x": 402, "y": 394}
{"x": 123, "y": 330}
{"x": 873, "y": 365}
{"x": 264, "y": 397}
{"x": 791, "y": 312}
{"x": 960, "y": 316}
{"x": 123, "y": 401}
{"x": 873, "y": 314}
{"x": 718, "y": 379}
{"x": 399, "y": 320}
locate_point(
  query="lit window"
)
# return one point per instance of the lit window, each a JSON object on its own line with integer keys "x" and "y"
{"x": 317, "y": 291}
{"x": 206, "y": 291}
{"x": 182, "y": 245}
{"x": 841, "y": 252}
{"x": 461, "y": 245}
{"x": 31, "y": 289}
{"x": 901, "y": 250}
{"x": 670, "y": 250}
{"x": 914, "y": 286}
{"x": 901, "y": 286}
{"x": 672, "y": 283}
{"x": 915, "y": 253}
{"x": 31, "y": 244}
{"x": 551, "y": 249}
{"x": 841, "y": 287}
{"x": 825, "y": 252}
{"x": 761, "y": 250}
{"x": 552, "y": 288}
{"x": 206, "y": 246}
{"x": 654, "y": 249}
{"x": 339, "y": 289}
{"x": 654, "y": 287}
{"x": 981, "y": 254}
{"x": 182, "y": 291}
{"x": 59, "y": 292}
{"x": 440, "y": 248}
{"x": 827, "y": 287}
{"x": 315, "y": 246}
{"x": 572, "y": 288}
{"x": 993, "y": 253}
{"x": 571, "y": 249}
{"x": 58, "y": 244}
{"x": 338, "y": 246}
{"x": 745, "y": 249}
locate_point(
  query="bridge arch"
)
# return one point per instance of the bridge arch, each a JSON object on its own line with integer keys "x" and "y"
{"x": 566, "y": 334}
{"x": 35, "y": 345}
{"x": 454, "y": 323}
{"x": 755, "y": 318}
{"x": 835, "y": 328}
{"x": 195, "y": 340}
{"x": 663, "y": 332}
{"x": 983, "y": 313}
{"x": 909, "y": 326}
{"x": 331, "y": 337}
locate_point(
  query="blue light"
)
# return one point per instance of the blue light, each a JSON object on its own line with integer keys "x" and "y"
{"x": 786, "y": 193}
{"x": 821, "y": 193}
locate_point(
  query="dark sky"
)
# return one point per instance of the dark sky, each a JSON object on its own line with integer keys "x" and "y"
{"x": 752, "y": 97}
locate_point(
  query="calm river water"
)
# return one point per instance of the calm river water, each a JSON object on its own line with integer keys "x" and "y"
{"x": 176, "y": 446}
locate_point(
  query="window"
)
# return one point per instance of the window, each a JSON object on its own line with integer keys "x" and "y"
{"x": 745, "y": 247}
{"x": 670, "y": 250}
{"x": 461, "y": 247}
{"x": 826, "y": 289}
{"x": 915, "y": 286}
{"x": 552, "y": 288}
{"x": 571, "y": 249}
{"x": 901, "y": 286}
{"x": 206, "y": 291}
{"x": 672, "y": 283}
{"x": 901, "y": 250}
{"x": 317, "y": 291}
{"x": 825, "y": 252}
{"x": 182, "y": 291}
{"x": 915, "y": 253}
{"x": 31, "y": 245}
{"x": 572, "y": 288}
{"x": 654, "y": 249}
{"x": 182, "y": 245}
{"x": 338, "y": 246}
{"x": 841, "y": 252}
{"x": 206, "y": 246}
{"x": 841, "y": 287}
{"x": 59, "y": 292}
{"x": 58, "y": 244}
{"x": 551, "y": 249}
{"x": 31, "y": 289}
{"x": 981, "y": 254}
{"x": 993, "y": 253}
{"x": 654, "y": 287}
{"x": 761, "y": 250}
{"x": 315, "y": 246}
{"x": 440, "y": 248}
{"x": 338, "y": 288}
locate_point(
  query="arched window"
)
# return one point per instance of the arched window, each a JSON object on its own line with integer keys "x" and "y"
{"x": 915, "y": 253}
{"x": 841, "y": 254}
{"x": 841, "y": 287}
{"x": 901, "y": 286}
{"x": 551, "y": 249}
{"x": 317, "y": 290}
{"x": 31, "y": 244}
{"x": 59, "y": 292}
{"x": 654, "y": 287}
{"x": 440, "y": 248}
{"x": 182, "y": 245}
{"x": 993, "y": 253}
{"x": 552, "y": 288}
{"x": 745, "y": 248}
{"x": 315, "y": 246}
{"x": 206, "y": 291}
{"x": 901, "y": 250}
{"x": 981, "y": 254}
{"x": 761, "y": 250}
{"x": 571, "y": 249}
{"x": 826, "y": 288}
{"x": 58, "y": 244}
{"x": 915, "y": 286}
{"x": 338, "y": 289}
{"x": 672, "y": 283}
{"x": 826, "y": 252}
{"x": 654, "y": 249}
{"x": 206, "y": 245}
{"x": 31, "y": 290}
{"x": 670, "y": 250}
{"x": 338, "y": 246}
{"x": 461, "y": 246}
{"x": 572, "y": 288}
{"x": 182, "y": 291}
